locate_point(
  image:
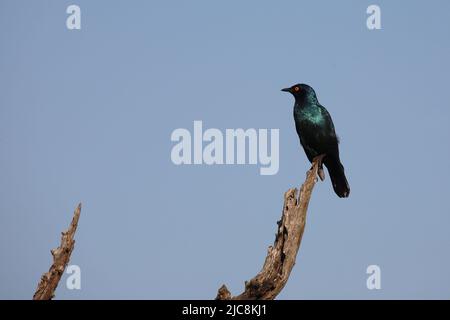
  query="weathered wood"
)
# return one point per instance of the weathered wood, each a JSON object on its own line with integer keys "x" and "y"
{"x": 280, "y": 260}
{"x": 61, "y": 256}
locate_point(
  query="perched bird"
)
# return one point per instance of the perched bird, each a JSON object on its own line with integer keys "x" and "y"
{"x": 315, "y": 129}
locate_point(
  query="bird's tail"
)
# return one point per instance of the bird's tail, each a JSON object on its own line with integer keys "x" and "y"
{"x": 337, "y": 176}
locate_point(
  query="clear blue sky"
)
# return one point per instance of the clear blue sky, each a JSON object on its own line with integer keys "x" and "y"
{"x": 87, "y": 116}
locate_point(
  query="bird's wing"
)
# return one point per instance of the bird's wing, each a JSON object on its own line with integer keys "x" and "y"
{"x": 329, "y": 123}
{"x": 321, "y": 138}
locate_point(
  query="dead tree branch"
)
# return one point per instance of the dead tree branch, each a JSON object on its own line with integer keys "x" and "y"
{"x": 281, "y": 256}
{"x": 61, "y": 256}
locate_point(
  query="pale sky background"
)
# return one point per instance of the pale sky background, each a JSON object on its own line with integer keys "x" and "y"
{"x": 87, "y": 116}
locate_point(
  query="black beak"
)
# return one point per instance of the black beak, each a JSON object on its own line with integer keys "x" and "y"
{"x": 286, "y": 89}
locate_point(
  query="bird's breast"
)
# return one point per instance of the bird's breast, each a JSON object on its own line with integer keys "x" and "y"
{"x": 308, "y": 116}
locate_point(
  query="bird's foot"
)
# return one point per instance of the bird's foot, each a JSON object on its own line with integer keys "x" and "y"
{"x": 321, "y": 174}
{"x": 320, "y": 171}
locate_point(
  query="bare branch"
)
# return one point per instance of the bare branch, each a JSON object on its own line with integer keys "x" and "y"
{"x": 282, "y": 255}
{"x": 61, "y": 256}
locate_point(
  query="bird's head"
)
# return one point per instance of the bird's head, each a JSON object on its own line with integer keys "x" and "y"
{"x": 301, "y": 92}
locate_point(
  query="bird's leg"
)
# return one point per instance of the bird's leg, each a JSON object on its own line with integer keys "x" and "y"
{"x": 320, "y": 172}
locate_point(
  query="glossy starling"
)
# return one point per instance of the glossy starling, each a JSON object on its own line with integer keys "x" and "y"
{"x": 315, "y": 129}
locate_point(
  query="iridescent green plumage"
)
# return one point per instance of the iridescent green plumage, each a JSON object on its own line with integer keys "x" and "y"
{"x": 317, "y": 135}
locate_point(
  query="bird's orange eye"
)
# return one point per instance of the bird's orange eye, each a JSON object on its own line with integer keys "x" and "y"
{"x": 296, "y": 89}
